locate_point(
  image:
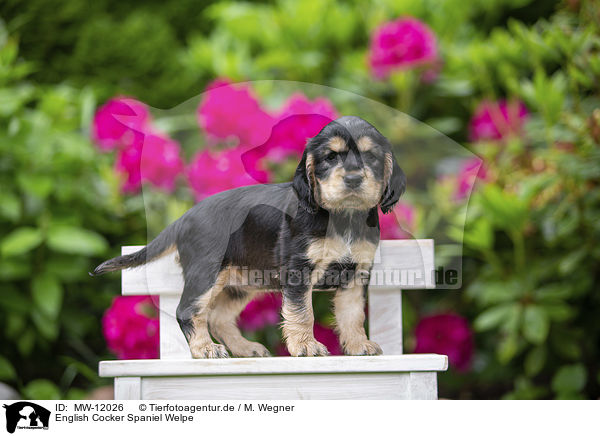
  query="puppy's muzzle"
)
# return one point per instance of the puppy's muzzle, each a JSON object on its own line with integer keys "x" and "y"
{"x": 353, "y": 181}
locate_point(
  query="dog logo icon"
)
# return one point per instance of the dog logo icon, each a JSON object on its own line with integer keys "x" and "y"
{"x": 26, "y": 415}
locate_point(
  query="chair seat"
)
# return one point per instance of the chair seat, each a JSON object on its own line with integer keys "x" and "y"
{"x": 409, "y": 376}
{"x": 274, "y": 365}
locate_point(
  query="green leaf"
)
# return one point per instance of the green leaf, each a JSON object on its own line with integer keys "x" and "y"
{"x": 513, "y": 320}
{"x": 37, "y": 185}
{"x": 568, "y": 395}
{"x": 46, "y": 326}
{"x": 68, "y": 268}
{"x": 493, "y": 317}
{"x": 76, "y": 394}
{"x": 75, "y": 240}
{"x": 15, "y": 323}
{"x": 526, "y": 390}
{"x": 81, "y": 368}
{"x": 571, "y": 260}
{"x": 480, "y": 235}
{"x": 47, "y": 294}
{"x": 507, "y": 349}
{"x": 7, "y": 370}
{"x": 26, "y": 342}
{"x": 535, "y": 324}
{"x": 454, "y": 87}
{"x": 21, "y": 241}
{"x": 505, "y": 209}
{"x": 535, "y": 360}
{"x": 569, "y": 378}
{"x": 13, "y": 300}
{"x": 566, "y": 343}
{"x": 489, "y": 292}
{"x": 10, "y": 206}
{"x": 554, "y": 292}
{"x": 445, "y": 125}
{"x": 14, "y": 269}
{"x": 12, "y": 98}
{"x": 41, "y": 389}
{"x": 534, "y": 184}
{"x": 558, "y": 311}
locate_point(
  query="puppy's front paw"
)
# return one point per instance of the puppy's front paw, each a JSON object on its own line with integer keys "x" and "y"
{"x": 362, "y": 348}
{"x": 250, "y": 349}
{"x": 307, "y": 348}
{"x": 209, "y": 351}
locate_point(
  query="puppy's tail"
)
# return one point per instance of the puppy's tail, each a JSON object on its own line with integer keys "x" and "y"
{"x": 163, "y": 242}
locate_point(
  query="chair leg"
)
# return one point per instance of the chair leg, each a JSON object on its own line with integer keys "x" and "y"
{"x": 128, "y": 388}
{"x": 385, "y": 319}
{"x": 423, "y": 386}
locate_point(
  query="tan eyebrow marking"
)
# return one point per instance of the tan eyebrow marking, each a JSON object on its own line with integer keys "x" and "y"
{"x": 337, "y": 144}
{"x": 364, "y": 143}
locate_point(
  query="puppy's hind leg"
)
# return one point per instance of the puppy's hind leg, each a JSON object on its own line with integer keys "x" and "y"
{"x": 223, "y": 326}
{"x": 192, "y": 315}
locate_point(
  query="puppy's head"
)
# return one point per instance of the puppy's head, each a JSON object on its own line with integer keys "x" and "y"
{"x": 349, "y": 165}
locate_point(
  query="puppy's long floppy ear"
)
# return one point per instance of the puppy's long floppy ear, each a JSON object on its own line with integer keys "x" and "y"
{"x": 396, "y": 183}
{"x": 304, "y": 184}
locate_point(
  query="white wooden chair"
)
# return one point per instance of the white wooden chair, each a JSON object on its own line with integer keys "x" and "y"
{"x": 406, "y": 264}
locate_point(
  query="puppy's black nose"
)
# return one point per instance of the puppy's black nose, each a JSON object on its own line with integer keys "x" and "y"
{"x": 353, "y": 180}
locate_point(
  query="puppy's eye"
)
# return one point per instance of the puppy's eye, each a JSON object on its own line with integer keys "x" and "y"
{"x": 372, "y": 154}
{"x": 331, "y": 156}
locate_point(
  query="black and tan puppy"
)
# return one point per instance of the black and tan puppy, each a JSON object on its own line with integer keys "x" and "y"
{"x": 319, "y": 231}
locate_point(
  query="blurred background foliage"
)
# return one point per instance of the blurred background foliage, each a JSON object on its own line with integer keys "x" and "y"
{"x": 530, "y": 268}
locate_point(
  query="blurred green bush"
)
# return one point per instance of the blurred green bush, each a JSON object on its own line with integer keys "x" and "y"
{"x": 531, "y": 258}
{"x": 60, "y": 211}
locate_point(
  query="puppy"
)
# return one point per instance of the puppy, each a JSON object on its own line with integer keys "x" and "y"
{"x": 318, "y": 232}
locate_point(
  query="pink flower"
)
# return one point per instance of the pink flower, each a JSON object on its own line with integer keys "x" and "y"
{"x": 128, "y": 164}
{"x": 469, "y": 172}
{"x": 298, "y": 120}
{"x": 497, "y": 120}
{"x": 261, "y": 312}
{"x": 215, "y": 171}
{"x": 143, "y": 155}
{"x": 161, "y": 161}
{"x": 447, "y": 334}
{"x": 288, "y": 138}
{"x": 402, "y": 44}
{"x": 299, "y": 104}
{"x": 327, "y": 337}
{"x": 116, "y": 122}
{"x": 324, "y": 335}
{"x": 399, "y": 223}
{"x": 153, "y": 158}
{"x": 232, "y": 111}
{"x": 130, "y": 327}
